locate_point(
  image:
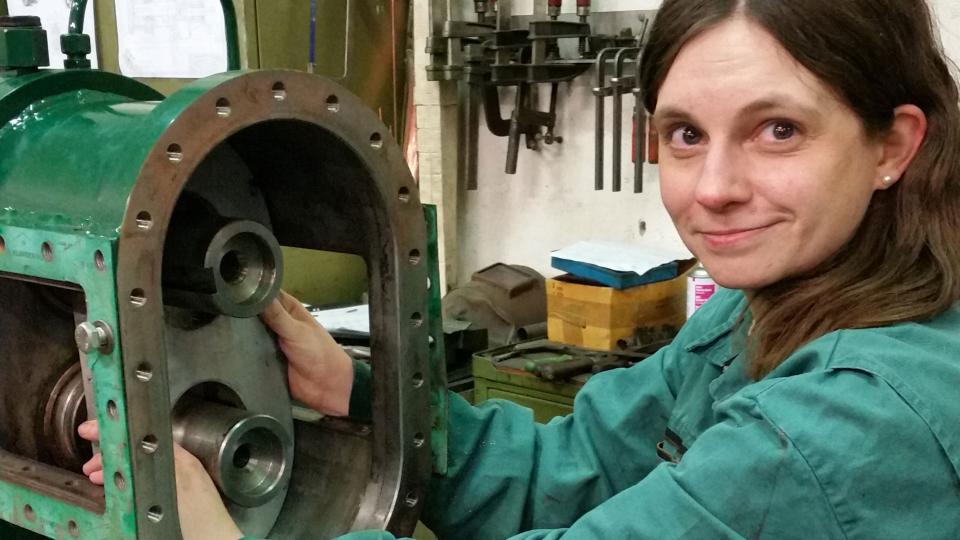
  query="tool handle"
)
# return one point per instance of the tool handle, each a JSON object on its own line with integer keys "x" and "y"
{"x": 565, "y": 370}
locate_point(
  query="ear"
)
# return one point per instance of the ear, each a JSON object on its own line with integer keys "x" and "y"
{"x": 900, "y": 144}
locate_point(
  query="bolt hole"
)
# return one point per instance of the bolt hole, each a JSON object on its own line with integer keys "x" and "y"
{"x": 279, "y": 91}
{"x": 70, "y": 483}
{"x": 242, "y": 456}
{"x": 47, "y": 251}
{"x": 144, "y": 221}
{"x": 119, "y": 481}
{"x": 431, "y": 341}
{"x": 98, "y": 261}
{"x": 138, "y": 298}
{"x": 418, "y": 440}
{"x": 149, "y": 444}
{"x": 29, "y": 513}
{"x": 223, "y": 107}
{"x": 411, "y": 499}
{"x": 415, "y": 259}
{"x": 175, "y": 153}
{"x": 333, "y": 103}
{"x": 144, "y": 372}
{"x": 417, "y": 380}
{"x": 416, "y": 319}
{"x": 155, "y": 513}
{"x": 73, "y": 528}
{"x": 429, "y": 283}
{"x": 26, "y": 468}
{"x": 376, "y": 141}
{"x": 3, "y": 245}
{"x": 112, "y": 410}
{"x": 404, "y": 195}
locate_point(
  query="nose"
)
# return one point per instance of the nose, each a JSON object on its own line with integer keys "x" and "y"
{"x": 723, "y": 179}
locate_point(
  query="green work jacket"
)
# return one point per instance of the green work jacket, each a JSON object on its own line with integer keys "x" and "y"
{"x": 856, "y": 435}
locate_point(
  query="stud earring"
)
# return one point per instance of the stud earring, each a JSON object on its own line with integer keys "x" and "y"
{"x": 887, "y": 180}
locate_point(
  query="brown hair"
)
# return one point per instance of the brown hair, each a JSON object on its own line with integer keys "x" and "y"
{"x": 902, "y": 263}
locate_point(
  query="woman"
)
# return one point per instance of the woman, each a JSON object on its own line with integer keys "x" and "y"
{"x": 809, "y": 158}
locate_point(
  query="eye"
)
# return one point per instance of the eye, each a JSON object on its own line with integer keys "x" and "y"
{"x": 780, "y": 130}
{"x": 686, "y": 135}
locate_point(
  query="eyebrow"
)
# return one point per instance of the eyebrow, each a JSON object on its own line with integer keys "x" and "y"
{"x": 773, "y": 101}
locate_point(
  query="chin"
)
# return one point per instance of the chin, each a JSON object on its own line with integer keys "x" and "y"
{"x": 738, "y": 278}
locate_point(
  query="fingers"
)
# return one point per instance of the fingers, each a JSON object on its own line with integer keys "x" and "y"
{"x": 286, "y": 317}
{"x": 295, "y": 307}
{"x": 97, "y": 477}
{"x": 279, "y": 320}
{"x": 89, "y": 431}
{"x": 94, "y": 469}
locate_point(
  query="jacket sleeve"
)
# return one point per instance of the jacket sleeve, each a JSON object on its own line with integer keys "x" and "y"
{"x": 743, "y": 478}
{"x": 509, "y": 474}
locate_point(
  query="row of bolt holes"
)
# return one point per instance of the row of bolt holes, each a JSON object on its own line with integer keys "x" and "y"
{"x": 31, "y": 515}
{"x": 46, "y": 250}
{"x": 144, "y": 372}
{"x": 223, "y": 108}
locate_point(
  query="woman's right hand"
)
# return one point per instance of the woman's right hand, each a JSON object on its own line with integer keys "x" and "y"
{"x": 319, "y": 371}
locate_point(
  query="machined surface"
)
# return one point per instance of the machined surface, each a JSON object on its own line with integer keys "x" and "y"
{"x": 239, "y": 362}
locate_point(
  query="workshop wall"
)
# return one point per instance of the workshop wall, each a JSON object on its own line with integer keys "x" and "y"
{"x": 551, "y": 202}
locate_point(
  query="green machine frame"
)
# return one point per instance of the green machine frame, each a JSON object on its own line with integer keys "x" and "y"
{"x": 92, "y": 168}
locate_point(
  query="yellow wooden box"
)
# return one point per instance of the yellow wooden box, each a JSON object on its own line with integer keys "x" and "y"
{"x": 600, "y": 317}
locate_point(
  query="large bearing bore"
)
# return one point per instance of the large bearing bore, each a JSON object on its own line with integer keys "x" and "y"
{"x": 249, "y": 456}
{"x": 246, "y": 259}
{"x": 238, "y": 271}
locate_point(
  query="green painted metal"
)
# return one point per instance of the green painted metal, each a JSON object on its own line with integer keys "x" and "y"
{"x": 439, "y": 399}
{"x": 103, "y": 138}
{"x": 508, "y": 379}
{"x": 109, "y": 136}
{"x": 72, "y": 258}
{"x": 23, "y": 47}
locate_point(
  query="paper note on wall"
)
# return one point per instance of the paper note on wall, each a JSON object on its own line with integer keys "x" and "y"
{"x": 55, "y": 16}
{"x": 171, "y": 38}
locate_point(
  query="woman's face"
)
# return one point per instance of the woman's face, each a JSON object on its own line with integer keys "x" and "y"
{"x": 765, "y": 172}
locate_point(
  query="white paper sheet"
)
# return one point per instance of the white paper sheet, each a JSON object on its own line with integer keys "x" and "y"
{"x": 55, "y": 17}
{"x": 353, "y": 318}
{"x": 171, "y": 38}
{"x": 620, "y": 257}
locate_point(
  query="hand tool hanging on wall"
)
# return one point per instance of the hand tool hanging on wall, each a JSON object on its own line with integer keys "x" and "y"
{"x": 619, "y": 84}
{"x": 484, "y": 56}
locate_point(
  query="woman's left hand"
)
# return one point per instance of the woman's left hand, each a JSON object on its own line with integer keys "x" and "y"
{"x": 203, "y": 515}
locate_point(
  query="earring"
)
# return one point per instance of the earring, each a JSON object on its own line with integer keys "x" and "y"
{"x": 887, "y": 180}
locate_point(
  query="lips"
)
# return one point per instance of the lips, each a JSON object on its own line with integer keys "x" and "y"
{"x": 730, "y": 238}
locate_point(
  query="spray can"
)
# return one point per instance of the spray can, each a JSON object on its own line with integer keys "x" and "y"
{"x": 700, "y": 287}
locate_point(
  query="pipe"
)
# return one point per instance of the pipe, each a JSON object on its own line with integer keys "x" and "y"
{"x": 79, "y": 8}
{"x": 617, "y": 85}
{"x": 598, "y": 91}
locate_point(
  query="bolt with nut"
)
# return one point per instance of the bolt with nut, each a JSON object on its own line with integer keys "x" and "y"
{"x": 94, "y": 336}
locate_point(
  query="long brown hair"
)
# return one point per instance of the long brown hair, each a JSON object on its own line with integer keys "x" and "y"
{"x": 903, "y": 263}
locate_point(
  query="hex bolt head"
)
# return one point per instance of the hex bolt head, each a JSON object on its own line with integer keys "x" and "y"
{"x": 94, "y": 336}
